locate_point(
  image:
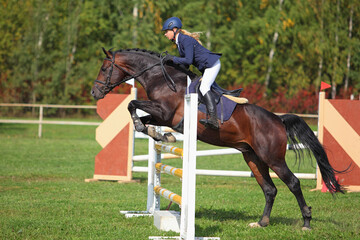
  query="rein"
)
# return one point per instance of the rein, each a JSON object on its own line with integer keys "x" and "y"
{"x": 166, "y": 75}
{"x": 109, "y": 86}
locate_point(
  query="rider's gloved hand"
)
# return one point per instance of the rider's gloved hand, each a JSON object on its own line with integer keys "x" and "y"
{"x": 168, "y": 58}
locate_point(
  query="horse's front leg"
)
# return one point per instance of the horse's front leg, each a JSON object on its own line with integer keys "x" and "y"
{"x": 155, "y": 110}
{"x": 139, "y": 125}
{"x": 151, "y": 131}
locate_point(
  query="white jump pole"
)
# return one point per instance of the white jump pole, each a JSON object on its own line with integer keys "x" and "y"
{"x": 153, "y": 200}
{"x": 187, "y": 226}
{"x": 187, "y": 218}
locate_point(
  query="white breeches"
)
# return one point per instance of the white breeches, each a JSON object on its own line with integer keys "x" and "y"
{"x": 209, "y": 77}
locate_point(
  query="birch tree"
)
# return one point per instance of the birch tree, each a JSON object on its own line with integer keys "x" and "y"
{"x": 348, "y": 60}
{"x": 273, "y": 48}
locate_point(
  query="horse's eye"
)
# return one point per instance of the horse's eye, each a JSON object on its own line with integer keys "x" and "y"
{"x": 103, "y": 69}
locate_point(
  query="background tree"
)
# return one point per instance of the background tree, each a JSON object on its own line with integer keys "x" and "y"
{"x": 50, "y": 51}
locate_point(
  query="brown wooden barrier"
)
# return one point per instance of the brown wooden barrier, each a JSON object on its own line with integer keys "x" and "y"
{"x": 339, "y": 132}
{"x": 115, "y": 134}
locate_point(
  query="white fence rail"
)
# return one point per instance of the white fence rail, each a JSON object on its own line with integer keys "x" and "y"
{"x": 41, "y": 120}
{"x": 178, "y": 136}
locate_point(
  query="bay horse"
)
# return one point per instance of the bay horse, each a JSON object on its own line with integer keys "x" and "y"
{"x": 259, "y": 134}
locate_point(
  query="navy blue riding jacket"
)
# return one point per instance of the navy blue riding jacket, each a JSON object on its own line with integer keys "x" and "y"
{"x": 192, "y": 52}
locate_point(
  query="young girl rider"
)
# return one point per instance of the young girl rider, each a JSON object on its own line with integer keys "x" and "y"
{"x": 192, "y": 52}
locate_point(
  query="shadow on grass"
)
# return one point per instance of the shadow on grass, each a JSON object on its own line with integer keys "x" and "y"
{"x": 328, "y": 220}
{"x": 286, "y": 221}
{"x": 222, "y": 215}
{"x": 140, "y": 179}
{"x": 14, "y": 128}
{"x": 219, "y": 215}
{"x": 207, "y": 231}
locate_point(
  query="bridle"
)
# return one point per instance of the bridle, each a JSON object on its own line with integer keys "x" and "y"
{"x": 108, "y": 86}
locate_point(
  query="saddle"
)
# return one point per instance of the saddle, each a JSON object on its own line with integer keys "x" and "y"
{"x": 218, "y": 92}
{"x": 226, "y": 101}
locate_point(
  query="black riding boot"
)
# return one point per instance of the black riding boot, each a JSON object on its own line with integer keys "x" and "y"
{"x": 212, "y": 122}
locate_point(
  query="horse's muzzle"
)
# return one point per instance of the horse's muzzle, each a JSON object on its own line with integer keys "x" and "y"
{"x": 96, "y": 94}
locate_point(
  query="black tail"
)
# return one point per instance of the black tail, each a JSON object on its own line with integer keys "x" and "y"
{"x": 299, "y": 132}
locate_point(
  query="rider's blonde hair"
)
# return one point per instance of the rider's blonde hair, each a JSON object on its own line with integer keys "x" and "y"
{"x": 195, "y": 35}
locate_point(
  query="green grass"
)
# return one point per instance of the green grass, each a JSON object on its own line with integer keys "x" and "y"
{"x": 43, "y": 195}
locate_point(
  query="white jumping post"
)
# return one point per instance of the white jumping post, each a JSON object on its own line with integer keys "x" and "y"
{"x": 188, "y": 174}
{"x": 153, "y": 200}
{"x": 187, "y": 226}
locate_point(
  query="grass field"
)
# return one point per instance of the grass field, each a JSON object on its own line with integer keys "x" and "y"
{"x": 43, "y": 195}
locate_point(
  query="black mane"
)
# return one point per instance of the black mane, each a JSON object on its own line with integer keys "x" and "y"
{"x": 137, "y": 50}
{"x": 156, "y": 55}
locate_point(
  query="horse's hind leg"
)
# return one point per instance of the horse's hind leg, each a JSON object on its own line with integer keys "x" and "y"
{"x": 293, "y": 184}
{"x": 261, "y": 173}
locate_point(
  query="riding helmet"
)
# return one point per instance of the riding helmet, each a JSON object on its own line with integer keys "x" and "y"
{"x": 171, "y": 23}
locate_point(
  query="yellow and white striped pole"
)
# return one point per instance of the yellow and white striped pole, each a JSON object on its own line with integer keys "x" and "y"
{"x": 178, "y": 172}
{"x": 170, "y": 149}
{"x": 168, "y": 194}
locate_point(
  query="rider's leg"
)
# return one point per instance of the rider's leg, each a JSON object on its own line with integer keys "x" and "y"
{"x": 207, "y": 80}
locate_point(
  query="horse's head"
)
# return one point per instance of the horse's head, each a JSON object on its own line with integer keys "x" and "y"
{"x": 111, "y": 74}
{"x": 123, "y": 65}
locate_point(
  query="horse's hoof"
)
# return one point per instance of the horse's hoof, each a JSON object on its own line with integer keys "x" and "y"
{"x": 255, "y": 225}
{"x": 151, "y": 131}
{"x": 306, "y": 229}
{"x": 168, "y": 137}
{"x": 139, "y": 126}
{"x": 154, "y": 134}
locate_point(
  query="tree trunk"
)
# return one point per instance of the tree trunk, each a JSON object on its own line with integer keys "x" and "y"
{"x": 273, "y": 49}
{"x": 41, "y": 23}
{"x": 348, "y": 62}
{"x": 333, "y": 85}
{"x": 72, "y": 32}
{"x": 208, "y": 37}
{"x": 321, "y": 60}
{"x": 135, "y": 17}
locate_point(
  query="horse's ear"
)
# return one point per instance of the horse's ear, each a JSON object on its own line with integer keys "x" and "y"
{"x": 106, "y": 52}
